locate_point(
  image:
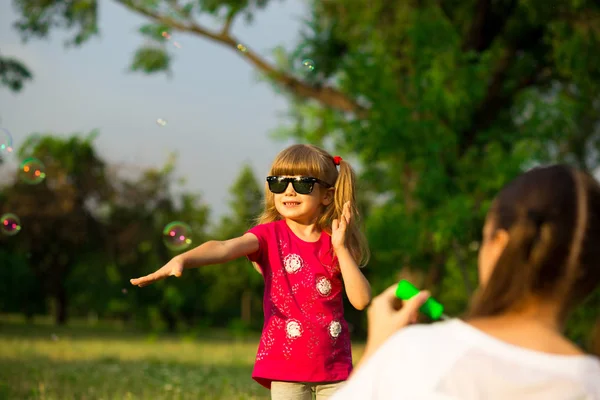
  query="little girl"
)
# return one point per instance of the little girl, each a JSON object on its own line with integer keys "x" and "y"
{"x": 308, "y": 248}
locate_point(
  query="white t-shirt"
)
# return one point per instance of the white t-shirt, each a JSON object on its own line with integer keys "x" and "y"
{"x": 452, "y": 360}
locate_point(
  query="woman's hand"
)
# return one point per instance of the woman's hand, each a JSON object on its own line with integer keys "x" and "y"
{"x": 338, "y": 228}
{"x": 388, "y": 314}
{"x": 172, "y": 268}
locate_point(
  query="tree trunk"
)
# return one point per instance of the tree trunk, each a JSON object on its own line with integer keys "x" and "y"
{"x": 61, "y": 304}
{"x": 460, "y": 260}
{"x": 435, "y": 274}
{"x": 169, "y": 319}
{"x": 246, "y": 306}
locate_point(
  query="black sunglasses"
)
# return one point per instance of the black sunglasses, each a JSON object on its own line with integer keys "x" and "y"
{"x": 302, "y": 184}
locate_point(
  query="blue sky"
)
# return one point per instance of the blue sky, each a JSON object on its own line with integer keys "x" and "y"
{"x": 218, "y": 115}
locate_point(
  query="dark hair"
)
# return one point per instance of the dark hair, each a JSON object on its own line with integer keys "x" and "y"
{"x": 552, "y": 216}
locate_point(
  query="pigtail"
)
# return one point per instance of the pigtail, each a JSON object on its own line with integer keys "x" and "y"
{"x": 526, "y": 254}
{"x": 345, "y": 191}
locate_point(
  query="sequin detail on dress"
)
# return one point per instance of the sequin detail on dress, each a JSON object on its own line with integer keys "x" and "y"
{"x": 293, "y": 329}
{"x": 323, "y": 286}
{"x": 335, "y": 328}
{"x": 292, "y": 263}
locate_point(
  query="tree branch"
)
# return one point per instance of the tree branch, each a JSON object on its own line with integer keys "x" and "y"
{"x": 495, "y": 100}
{"x": 474, "y": 36}
{"x": 462, "y": 266}
{"x": 326, "y": 95}
{"x": 228, "y": 22}
{"x": 445, "y": 10}
{"x": 486, "y": 25}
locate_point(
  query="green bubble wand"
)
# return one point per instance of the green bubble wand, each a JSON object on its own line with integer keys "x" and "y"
{"x": 432, "y": 308}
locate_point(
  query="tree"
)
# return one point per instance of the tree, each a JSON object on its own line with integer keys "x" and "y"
{"x": 236, "y": 288}
{"x": 442, "y": 102}
{"x": 58, "y": 227}
{"x": 13, "y": 73}
{"x": 141, "y": 209}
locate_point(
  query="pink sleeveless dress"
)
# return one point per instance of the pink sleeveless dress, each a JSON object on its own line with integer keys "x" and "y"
{"x": 305, "y": 337}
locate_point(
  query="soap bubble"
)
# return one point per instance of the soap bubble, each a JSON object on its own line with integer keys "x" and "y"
{"x": 308, "y": 64}
{"x": 10, "y": 224}
{"x": 32, "y": 171}
{"x": 176, "y": 235}
{"x": 168, "y": 36}
{"x": 6, "y": 142}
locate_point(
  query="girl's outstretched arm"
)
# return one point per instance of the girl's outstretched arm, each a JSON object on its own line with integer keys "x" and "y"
{"x": 357, "y": 286}
{"x": 208, "y": 253}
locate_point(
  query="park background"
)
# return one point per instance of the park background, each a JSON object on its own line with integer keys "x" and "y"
{"x": 437, "y": 105}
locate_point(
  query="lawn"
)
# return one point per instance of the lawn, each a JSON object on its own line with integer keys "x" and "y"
{"x": 105, "y": 361}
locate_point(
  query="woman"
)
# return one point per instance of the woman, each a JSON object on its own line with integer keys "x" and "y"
{"x": 539, "y": 259}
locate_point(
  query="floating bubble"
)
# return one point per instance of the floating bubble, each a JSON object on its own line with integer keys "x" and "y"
{"x": 5, "y": 141}
{"x": 124, "y": 291}
{"x": 242, "y": 48}
{"x": 176, "y": 235}
{"x": 168, "y": 36}
{"x": 10, "y": 224}
{"x": 308, "y": 64}
{"x": 161, "y": 122}
{"x": 32, "y": 171}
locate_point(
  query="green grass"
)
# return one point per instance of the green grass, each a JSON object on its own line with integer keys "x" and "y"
{"x": 40, "y": 361}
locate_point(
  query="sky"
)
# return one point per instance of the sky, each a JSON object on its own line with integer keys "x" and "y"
{"x": 219, "y": 116}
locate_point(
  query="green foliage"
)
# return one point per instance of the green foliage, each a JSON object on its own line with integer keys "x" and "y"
{"x": 459, "y": 100}
{"x": 150, "y": 59}
{"x": 155, "y": 31}
{"x": 440, "y": 102}
{"x": 137, "y": 216}
{"x": 80, "y": 18}
{"x": 58, "y": 228}
{"x": 13, "y": 74}
{"x": 38, "y": 17}
{"x": 19, "y": 289}
{"x": 235, "y": 288}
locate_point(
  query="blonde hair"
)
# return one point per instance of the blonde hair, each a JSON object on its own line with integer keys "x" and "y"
{"x": 309, "y": 160}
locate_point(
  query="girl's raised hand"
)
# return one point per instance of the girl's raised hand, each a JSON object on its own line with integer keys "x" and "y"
{"x": 338, "y": 228}
{"x": 172, "y": 268}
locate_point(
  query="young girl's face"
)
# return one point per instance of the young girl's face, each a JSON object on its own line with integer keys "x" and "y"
{"x": 304, "y": 208}
{"x": 493, "y": 243}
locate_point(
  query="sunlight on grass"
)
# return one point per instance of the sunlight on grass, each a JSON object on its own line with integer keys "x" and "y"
{"x": 41, "y": 362}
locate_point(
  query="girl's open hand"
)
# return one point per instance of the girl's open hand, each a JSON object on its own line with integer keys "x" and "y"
{"x": 338, "y": 228}
{"x": 172, "y": 268}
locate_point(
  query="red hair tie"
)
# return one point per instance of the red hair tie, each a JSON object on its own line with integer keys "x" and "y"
{"x": 337, "y": 160}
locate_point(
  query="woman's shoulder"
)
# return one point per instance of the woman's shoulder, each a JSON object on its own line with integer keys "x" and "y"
{"x": 424, "y": 333}
{"x": 426, "y": 341}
